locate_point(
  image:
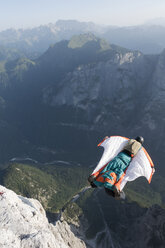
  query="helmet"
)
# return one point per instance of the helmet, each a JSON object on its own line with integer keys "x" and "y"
{"x": 140, "y": 139}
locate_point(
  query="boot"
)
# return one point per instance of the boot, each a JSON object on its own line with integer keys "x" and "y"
{"x": 122, "y": 195}
{"x": 116, "y": 191}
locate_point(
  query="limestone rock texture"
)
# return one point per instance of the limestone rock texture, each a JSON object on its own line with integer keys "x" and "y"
{"x": 23, "y": 224}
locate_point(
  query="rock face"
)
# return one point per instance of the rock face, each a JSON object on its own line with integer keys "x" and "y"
{"x": 23, "y": 224}
{"x": 105, "y": 95}
{"x": 122, "y": 94}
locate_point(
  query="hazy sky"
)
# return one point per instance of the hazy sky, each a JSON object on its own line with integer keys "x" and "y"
{"x": 30, "y": 13}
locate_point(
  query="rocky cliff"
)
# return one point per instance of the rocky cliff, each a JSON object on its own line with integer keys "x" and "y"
{"x": 23, "y": 224}
{"x": 100, "y": 224}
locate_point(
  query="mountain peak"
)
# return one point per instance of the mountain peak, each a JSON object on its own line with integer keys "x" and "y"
{"x": 74, "y": 24}
{"x": 78, "y": 41}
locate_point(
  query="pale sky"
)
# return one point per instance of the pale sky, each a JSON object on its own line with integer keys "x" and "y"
{"x": 31, "y": 13}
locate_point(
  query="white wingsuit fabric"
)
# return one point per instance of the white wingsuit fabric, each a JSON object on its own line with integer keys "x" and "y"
{"x": 141, "y": 164}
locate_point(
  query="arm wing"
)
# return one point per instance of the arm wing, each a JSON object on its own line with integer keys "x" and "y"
{"x": 141, "y": 165}
{"x": 112, "y": 146}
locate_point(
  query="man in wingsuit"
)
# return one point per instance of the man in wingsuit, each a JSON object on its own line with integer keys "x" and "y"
{"x": 111, "y": 175}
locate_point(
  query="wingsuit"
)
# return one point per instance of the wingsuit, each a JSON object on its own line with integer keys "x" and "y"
{"x": 111, "y": 175}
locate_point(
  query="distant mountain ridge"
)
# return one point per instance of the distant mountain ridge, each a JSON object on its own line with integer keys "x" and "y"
{"x": 149, "y": 39}
{"x": 37, "y": 40}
